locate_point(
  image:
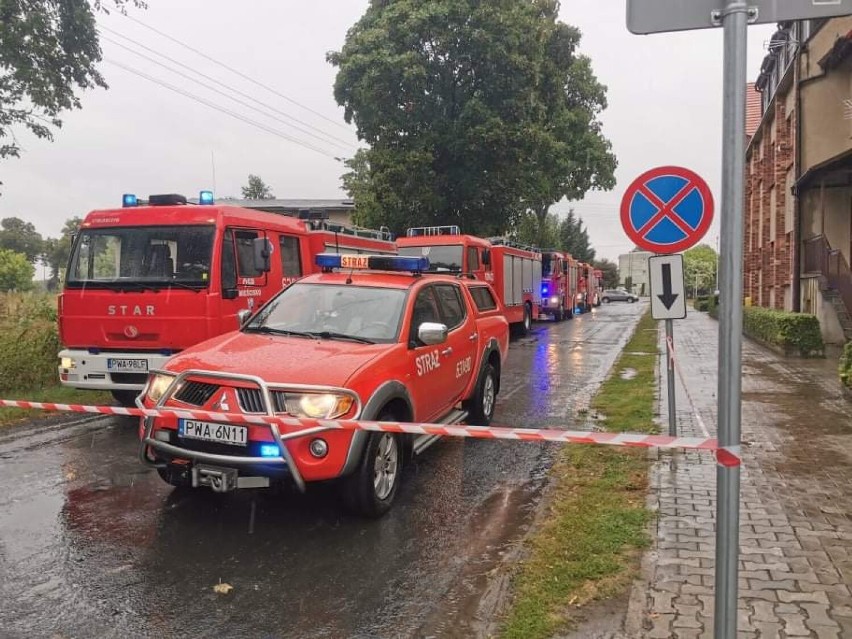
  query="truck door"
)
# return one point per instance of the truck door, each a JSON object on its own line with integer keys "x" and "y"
{"x": 243, "y": 281}
{"x": 460, "y": 348}
{"x": 291, "y": 259}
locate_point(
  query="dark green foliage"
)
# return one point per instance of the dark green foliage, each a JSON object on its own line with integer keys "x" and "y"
{"x": 574, "y": 238}
{"x": 474, "y": 113}
{"x": 609, "y": 270}
{"x": 792, "y": 332}
{"x": 48, "y": 50}
{"x": 21, "y": 237}
{"x": 257, "y": 189}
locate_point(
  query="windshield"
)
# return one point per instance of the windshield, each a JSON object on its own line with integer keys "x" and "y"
{"x": 334, "y": 311}
{"x": 149, "y": 255}
{"x": 441, "y": 258}
{"x": 546, "y": 264}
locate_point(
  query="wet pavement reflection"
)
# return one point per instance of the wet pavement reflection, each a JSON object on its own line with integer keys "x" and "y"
{"x": 92, "y": 544}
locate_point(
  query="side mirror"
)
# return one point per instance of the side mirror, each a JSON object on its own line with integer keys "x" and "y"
{"x": 243, "y": 316}
{"x": 432, "y": 333}
{"x": 229, "y": 294}
{"x": 262, "y": 252}
{"x": 486, "y": 257}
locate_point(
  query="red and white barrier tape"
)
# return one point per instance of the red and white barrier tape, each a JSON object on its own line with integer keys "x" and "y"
{"x": 479, "y": 432}
{"x": 728, "y": 456}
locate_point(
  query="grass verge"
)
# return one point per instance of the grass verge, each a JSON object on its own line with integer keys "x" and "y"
{"x": 57, "y": 394}
{"x": 585, "y": 548}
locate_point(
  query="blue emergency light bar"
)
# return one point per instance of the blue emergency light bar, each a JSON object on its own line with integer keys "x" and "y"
{"x": 128, "y": 200}
{"x": 205, "y": 198}
{"x": 375, "y": 262}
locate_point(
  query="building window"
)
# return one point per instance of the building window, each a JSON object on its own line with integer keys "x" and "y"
{"x": 773, "y": 215}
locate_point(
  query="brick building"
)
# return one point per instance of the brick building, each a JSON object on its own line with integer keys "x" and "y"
{"x": 798, "y": 208}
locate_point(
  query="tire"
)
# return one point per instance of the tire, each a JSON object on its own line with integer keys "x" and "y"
{"x": 606, "y": 300}
{"x": 527, "y": 323}
{"x": 480, "y": 407}
{"x": 371, "y": 489}
{"x": 559, "y": 314}
{"x": 179, "y": 478}
{"x": 126, "y": 397}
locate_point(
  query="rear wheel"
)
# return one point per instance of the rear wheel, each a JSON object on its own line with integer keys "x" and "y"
{"x": 606, "y": 300}
{"x": 370, "y": 490}
{"x": 125, "y": 397}
{"x": 527, "y": 319}
{"x": 480, "y": 407}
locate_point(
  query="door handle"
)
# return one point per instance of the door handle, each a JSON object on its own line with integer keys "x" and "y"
{"x": 447, "y": 351}
{"x": 473, "y": 336}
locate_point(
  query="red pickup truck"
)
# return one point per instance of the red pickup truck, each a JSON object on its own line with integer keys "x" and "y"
{"x": 372, "y": 338}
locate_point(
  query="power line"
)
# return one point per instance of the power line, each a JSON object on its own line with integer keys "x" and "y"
{"x": 234, "y": 71}
{"x": 331, "y": 139}
{"x": 217, "y": 107}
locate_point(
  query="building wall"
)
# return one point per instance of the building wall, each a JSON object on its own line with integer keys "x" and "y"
{"x": 826, "y": 128}
{"x": 635, "y": 266}
{"x": 770, "y": 206}
{"x": 814, "y": 303}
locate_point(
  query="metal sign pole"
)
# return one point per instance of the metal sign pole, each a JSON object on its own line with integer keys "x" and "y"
{"x": 671, "y": 377}
{"x": 734, "y": 20}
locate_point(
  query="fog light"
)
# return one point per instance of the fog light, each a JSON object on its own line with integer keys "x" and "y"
{"x": 554, "y": 300}
{"x": 319, "y": 448}
{"x": 269, "y": 450}
{"x": 162, "y": 436}
{"x": 67, "y": 362}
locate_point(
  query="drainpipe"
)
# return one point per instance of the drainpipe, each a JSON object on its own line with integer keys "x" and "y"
{"x": 797, "y": 167}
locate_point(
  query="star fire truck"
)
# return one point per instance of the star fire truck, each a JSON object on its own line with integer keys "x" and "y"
{"x": 513, "y": 270}
{"x": 152, "y": 278}
{"x": 588, "y": 287}
{"x": 558, "y": 284}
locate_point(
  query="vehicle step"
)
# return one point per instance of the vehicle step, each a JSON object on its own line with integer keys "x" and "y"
{"x": 422, "y": 442}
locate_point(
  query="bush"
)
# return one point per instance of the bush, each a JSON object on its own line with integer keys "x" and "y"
{"x": 845, "y": 368}
{"x": 792, "y": 332}
{"x": 29, "y": 341}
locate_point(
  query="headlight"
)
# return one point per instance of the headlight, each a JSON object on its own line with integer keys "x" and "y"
{"x": 157, "y": 385}
{"x": 579, "y": 296}
{"x": 319, "y": 405}
{"x": 67, "y": 362}
{"x": 554, "y": 300}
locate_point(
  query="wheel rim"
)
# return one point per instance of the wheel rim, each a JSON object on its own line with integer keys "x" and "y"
{"x": 386, "y": 466}
{"x": 527, "y": 319}
{"x": 488, "y": 395}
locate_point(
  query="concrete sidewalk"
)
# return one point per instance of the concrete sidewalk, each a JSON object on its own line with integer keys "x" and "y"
{"x": 796, "y": 531}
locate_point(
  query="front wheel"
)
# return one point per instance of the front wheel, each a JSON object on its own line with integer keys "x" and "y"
{"x": 559, "y": 314}
{"x": 481, "y": 406}
{"x": 527, "y": 319}
{"x": 370, "y": 490}
{"x": 606, "y": 300}
{"x": 125, "y": 397}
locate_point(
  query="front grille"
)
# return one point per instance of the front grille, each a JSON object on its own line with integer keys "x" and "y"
{"x": 196, "y": 393}
{"x": 251, "y": 400}
{"x": 127, "y": 378}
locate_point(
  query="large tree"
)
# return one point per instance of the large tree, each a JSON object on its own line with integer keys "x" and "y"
{"x": 21, "y": 236}
{"x": 48, "y": 50}
{"x": 574, "y": 238}
{"x": 474, "y": 112}
{"x": 257, "y": 189}
{"x": 533, "y": 230}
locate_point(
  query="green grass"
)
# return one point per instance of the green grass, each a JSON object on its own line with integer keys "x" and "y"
{"x": 587, "y": 545}
{"x": 57, "y": 394}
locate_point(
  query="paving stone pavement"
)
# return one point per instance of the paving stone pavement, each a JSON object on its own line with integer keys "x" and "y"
{"x": 796, "y": 502}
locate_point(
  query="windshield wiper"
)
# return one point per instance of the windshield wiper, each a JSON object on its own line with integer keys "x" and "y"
{"x": 333, "y": 335}
{"x": 177, "y": 284}
{"x": 278, "y": 331}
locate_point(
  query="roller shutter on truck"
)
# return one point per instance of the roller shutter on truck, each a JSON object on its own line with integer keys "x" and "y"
{"x": 520, "y": 274}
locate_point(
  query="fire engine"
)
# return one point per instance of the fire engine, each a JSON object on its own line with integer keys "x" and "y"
{"x": 370, "y": 338}
{"x": 514, "y": 270}
{"x": 589, "y": 285}
{"x": 558, "y": 284}
{"x": 152, "y": 278}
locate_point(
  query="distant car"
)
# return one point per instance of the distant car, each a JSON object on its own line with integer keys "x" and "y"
{"x": 618, "y": 295}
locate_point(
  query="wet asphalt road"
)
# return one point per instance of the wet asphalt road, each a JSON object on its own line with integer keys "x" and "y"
{"x": 92, "y": 544}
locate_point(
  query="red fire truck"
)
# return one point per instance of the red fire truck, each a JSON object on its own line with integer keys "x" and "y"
{"x": 589, "y": 287}
{"x": 513, "y": 270}
{"x": 558, "y": 284}
{"x": 152, "y": 278}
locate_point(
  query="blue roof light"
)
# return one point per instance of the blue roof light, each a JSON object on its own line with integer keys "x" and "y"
{"x": 128, "y": 200}
{"x": 269, "y": 450}
{"x": 206, "y": 198}
{"x": 376, "y": 262}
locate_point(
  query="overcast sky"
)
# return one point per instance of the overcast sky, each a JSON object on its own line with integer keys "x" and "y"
{"x": 665, "y": 102}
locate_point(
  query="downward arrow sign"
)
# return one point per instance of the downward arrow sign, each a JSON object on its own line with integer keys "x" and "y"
{"x": 667, "y": 298}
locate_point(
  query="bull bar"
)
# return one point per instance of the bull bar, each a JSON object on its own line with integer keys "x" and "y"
{"x": 286, "y": 458}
